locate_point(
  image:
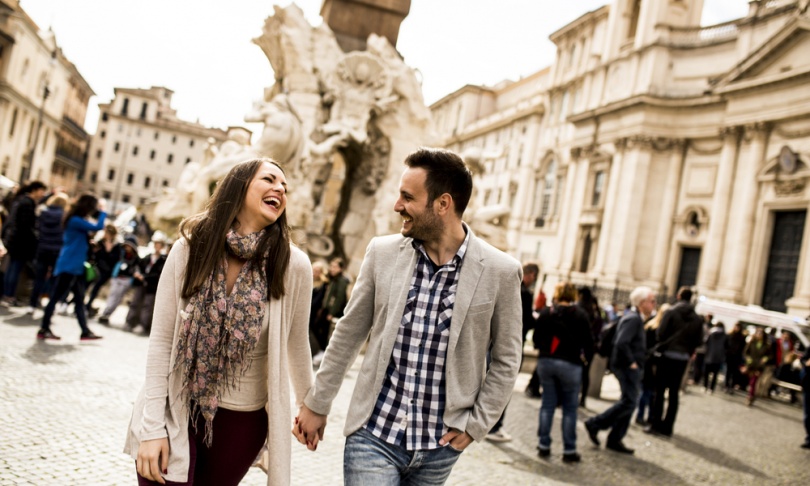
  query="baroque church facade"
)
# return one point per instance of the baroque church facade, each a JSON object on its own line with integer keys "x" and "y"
{"x": 654, "y": 151}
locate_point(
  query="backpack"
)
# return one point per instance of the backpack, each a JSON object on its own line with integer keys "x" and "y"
{"x": 607, "y": 338}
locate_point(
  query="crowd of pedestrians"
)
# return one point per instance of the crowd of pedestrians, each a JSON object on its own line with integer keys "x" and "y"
{"x": 52, "y": 245}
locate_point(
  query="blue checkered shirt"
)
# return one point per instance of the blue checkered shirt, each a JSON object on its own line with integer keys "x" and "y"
{"x": 410, "y": 407}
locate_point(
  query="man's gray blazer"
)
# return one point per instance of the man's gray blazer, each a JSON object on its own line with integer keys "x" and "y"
{"x": 486, "y": 310}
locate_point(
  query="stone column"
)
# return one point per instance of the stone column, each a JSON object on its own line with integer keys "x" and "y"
{"x": 718, "y": 217}
{"x": 663, "y": 237}
{"x": 569, "y": 218}
{"x": 628, "y": 212}
{"x": 741, "y": 224}
{"x": 522, "y": 209}
{"x": 614, "y": 182}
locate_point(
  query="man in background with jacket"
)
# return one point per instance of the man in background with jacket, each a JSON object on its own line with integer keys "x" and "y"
{"x": 627, "y": 363}
{"x": 680, "y": 333}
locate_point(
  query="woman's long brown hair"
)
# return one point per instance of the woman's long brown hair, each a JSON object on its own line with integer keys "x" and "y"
{"x": 206, "y": 233}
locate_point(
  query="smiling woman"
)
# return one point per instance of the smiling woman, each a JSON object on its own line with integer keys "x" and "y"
{"x": 216, "y": 336}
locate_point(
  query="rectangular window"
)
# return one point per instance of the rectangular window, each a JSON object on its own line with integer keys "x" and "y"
{"x": 116, "y": 147}
{"x": 146, "y": 181}
{"x": 130, "y": 178}
{"x": 125, "y": 108}
{"x": 104, "y": 116}
{"x": 106, "y": 194}
{"x": 191, "y": 143}
{"x": 111, "y": 174}
{"x": 144, "y": 107}
{"x": 598, "y": 188}
{"x": 170, "y": 158}
{"x": 188, "y": 159}
{"x": 165, "y": 182}
{"x": 103, "y": 133}
{"x": 13, "y": 123}
{"x": 98, "y": 153}
{"x": 125, "y": 198}
{"x": 174, "y": 138}
{"x": 135, "y": 150}
{"x": 93, "y": 177}
{"x": 157, "y": 135}
{"x": 152, "y": 155}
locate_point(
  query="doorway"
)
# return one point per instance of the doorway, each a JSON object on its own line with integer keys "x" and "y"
{"x": 783, "y": 259}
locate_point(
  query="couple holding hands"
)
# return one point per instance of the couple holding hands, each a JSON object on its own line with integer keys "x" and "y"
{"x": 230, "y": 334}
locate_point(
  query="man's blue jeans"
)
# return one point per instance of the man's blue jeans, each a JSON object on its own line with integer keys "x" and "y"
{"x": 370, "y": 461}
{"x": 561, "y": 381}
{"x": 617, "y": 418}
{"x": 15, "y": 268}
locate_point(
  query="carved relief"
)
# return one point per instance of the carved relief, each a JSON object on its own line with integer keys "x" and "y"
{"x": 789, "y": 188}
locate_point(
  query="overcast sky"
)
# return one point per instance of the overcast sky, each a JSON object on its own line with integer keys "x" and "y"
{"x": 201, "y": 49}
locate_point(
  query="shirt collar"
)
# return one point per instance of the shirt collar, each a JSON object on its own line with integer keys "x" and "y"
{"x": 459, "y": 256}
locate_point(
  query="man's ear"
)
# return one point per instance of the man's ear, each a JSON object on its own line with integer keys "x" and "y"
{"x": 443, "y": 203}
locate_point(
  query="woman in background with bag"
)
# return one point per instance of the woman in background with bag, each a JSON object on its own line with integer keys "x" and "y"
{"x": 757, "y": 355}
{"x": 69, "y": 270}
{"x": 562, "y": 337}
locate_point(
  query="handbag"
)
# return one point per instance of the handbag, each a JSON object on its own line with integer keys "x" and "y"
{"x": 90, "y": 272}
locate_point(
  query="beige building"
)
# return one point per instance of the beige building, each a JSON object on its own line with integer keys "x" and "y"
{"x": 666, "y": 154}
{"x": 42, "y": 101}
{"x": 141, "y": 147}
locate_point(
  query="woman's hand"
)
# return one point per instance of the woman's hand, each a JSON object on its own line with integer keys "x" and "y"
{"x": 153, "y": 457}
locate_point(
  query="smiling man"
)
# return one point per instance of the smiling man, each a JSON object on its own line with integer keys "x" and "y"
{"x": 432, "y": 300}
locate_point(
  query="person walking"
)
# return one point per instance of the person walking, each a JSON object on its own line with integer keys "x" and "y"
{"x": 627, "y": 364}
{"x": 123, "y": 274}
{"x": 757, "y": 354}
{"x": 716, "y": 344}
{"x": 334, "y": 303}
{"x": 563, "y": 340}
{"x": 431, "y": 303}
{"x": 20, "y": 237}
{"x": 106, "y": 255}
{"x": 680, "y": 333}
{"x": 51, "y": 232}
{"x": 588, "y": 303}
{"x": 69, "y": 270}
{"x": 648, "y": 380}
{"x": 228, "y": 340}
{"x": 142, "y": 305}
{"x": 734, "y": 358}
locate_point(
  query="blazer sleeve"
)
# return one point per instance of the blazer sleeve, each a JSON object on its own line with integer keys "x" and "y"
{"x": 158, "y": 358}
{"x": 350, "y": 333}
{"x": 506, "y": 350}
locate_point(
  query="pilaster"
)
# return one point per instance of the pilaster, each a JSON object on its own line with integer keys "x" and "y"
{"x": 708, "y": 272}
{"x": 629, "y": 210}
{"x": 663, "y": 238}
{"x": 614, "y": 182}
{"x": 744, "y": 202}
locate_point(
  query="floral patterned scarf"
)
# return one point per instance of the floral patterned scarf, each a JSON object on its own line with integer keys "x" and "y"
{"x": 219, "y": 330}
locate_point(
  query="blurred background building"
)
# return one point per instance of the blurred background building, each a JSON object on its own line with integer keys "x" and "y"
{"x": 655, "y": 151}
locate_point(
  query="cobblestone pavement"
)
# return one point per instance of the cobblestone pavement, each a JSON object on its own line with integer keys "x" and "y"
{"x": 64, "y": 409}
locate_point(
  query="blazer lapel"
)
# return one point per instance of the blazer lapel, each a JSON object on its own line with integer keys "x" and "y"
{"x": 471, "y": 270}
{"x": 399, "y": 283}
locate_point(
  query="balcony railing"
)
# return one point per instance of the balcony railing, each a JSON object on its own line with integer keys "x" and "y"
{"x": 699, "y": 36}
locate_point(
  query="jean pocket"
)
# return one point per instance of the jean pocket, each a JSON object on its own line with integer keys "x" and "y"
{"x": 451, "y": 448}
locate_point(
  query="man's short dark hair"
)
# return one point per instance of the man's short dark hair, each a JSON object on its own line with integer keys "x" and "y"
{"x": 446, "y": 173}
{"x": 685, "y": 293}
{"x": 339, "y": 261}
{"x": 32, "y": 186}
{"x": 531, "y": 268}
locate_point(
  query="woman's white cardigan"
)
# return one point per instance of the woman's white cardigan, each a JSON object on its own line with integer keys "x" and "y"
{"x": 160, "y": 412}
